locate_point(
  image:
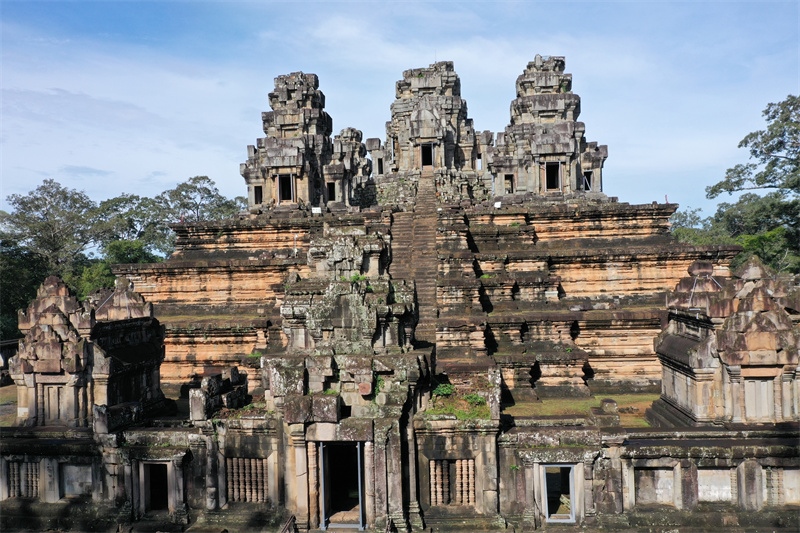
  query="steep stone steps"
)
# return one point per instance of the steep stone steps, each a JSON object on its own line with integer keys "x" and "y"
{"x": 425, "y": 265}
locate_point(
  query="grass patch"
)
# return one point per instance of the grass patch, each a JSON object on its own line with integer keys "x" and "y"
{"x": 8, "y": 405}
{"x": 459, "y": 407}
{"x": 631, "y": 407}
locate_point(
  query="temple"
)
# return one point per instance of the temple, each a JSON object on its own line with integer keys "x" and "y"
{"x": 444, "y": 330}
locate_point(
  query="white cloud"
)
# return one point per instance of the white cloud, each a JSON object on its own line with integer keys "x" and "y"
{"x": 670, "y": 88}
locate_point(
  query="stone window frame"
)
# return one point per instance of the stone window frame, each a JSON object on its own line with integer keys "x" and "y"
{"x": 560, "y": 178}
{"x": 572, "y": 493}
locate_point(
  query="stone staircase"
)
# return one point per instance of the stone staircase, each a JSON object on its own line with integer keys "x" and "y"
{"x": 414, "y": 255}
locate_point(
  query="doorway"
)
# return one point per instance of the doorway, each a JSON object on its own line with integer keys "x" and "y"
{"x": 342, "y": 484}
{"x": 155, "y": 487}
{"x": 559, "y": 504}
{"x": 427, "y": 155}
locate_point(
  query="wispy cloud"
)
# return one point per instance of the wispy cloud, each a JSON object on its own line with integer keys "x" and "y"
{"x": 177, "y": 90}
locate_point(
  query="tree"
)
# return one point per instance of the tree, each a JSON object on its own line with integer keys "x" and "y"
{"x": 775, "y": 151}
{"x": 195, "y": 200}
{"x": 21, "y": 273}
{"x": 56, "y": 223}
{"x": 766, "y": 225}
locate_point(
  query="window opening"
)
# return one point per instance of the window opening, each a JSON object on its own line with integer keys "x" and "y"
{"x": 342, "y": 494}
{"x": 155, "y": 483}
{"x": 380, "y": 165}
{"x": 258, "y": 195}
{"x": 508, "y": 184}
{"x": 560, "y": 494}
{"x": 553, "y": 177}
{"x": 331, "y": 192}
{"x": 452, "y": 482}
{"x": 427, "y": 155}
{"x": 285, "y": 188}
{"x": 246, "y": 479}
{"x": 23, "y": 479}
{"x": 587, "y": 180}
{"x": 478, "y": 162}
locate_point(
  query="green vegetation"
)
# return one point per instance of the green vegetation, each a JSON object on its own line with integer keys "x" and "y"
{"x": 474, "y": 399}
{"x": 444, "y": 390}
{"x": 459, "y": 408}
{"x": 767, "y": 225}
{"x": 470, "y": 406}
{"x": 379, "y": 383}
{"x": 631, "y": 407}
{"x": 486, "y": 276}
{"x": 8, "y": 405}
{"x": 54, "y": 230}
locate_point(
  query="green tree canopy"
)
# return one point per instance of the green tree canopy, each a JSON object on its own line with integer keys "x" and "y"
{"x": 767, "y": 224}
{"x": 775, "y": 154}
{"x": 57, "y": 230}
{"x": 56, "y": 223}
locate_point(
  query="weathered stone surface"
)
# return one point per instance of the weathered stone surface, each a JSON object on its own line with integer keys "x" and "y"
{"x": 412, "y": 308}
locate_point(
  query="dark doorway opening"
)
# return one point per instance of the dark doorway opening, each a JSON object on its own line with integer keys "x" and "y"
{"x": 478, "y": 162}
{"x": 156, "y": 487}
{"x": 558, "y": 481}
{"x": 285, "y": 188}
{"x": 587, "y": 180}
{"x": 258, "y": 195}
{"x": 508, "y": 184}
{"x": 331, "y": 192}
{"x": 427, "y": 155}
{"x": 553, "y": 171}
{"x": 343, "y": 485}
{"x": 380, "y": 165}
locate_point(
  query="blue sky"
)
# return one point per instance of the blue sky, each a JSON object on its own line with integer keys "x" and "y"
{"x": 135, "y": 97}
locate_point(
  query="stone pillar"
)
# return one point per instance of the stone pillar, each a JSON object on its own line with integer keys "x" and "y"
{"x": 530, "y": 517}
{"x": 588, "y": 508}
{"x": 211, "y": 474}
{"x": 313, "y": 485}
{"x": 4, "y": 481}
{"x": 394, "y": 469}
{"x": 222, "y": 479}
{"x": 787, "y": 400}
{"x": 749, "y": 485}
{"x": 689, "y": 489}
{"x": 297, "y": 440}
{"x": 414, "y": 514}
{"x": 628, "y": 486}
{"x": 737, "y": 395}
{"x": 381, "y": 472}
{"x": 48, "y": 481}
{"x": 369, "y": 484}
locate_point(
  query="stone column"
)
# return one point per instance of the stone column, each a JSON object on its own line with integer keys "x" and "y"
{"x": 689, "y": 489}
{"x": 48, "y": 481}
{"x": 748, "y": 485}
{"x": 787, "y": 400}
{"x": 369, "y": 484}
{"x": 4, "y": 484}
{"x": 737, "y": 396}
{"x": 414, "y": 514}
{"x": 394, "y": 470}
{"x": 588, "y": 508}
{"x": 212, "y": 487}
{"x": 313, "y": 485}
{"x": 381, "y": 472}
{"x": 297, "y": 440}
